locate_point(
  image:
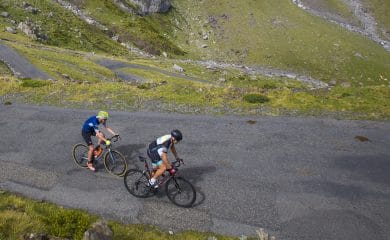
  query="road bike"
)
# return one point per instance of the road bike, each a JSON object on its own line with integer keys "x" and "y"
{"x": 114, "y": 162}
{"x": 180, "y": 191}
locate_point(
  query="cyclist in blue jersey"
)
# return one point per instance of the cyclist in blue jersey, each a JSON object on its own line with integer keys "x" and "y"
{"x": 91, "y": 128}
{"x": 158, "y": 154}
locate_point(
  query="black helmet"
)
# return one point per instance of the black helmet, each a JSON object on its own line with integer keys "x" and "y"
{"x": 176, "y": 134}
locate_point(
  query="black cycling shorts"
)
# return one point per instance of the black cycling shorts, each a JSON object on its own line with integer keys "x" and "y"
{"x": 87, "y": 137}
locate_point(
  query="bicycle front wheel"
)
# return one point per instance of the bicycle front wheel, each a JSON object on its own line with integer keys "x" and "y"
{"x": 80, "y": 155}
{"x": 137, "y": 183}
{"x": 115, "y": 163}
{"x": 181, "y": 192}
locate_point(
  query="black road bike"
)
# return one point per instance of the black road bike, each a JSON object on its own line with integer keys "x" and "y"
{"x": 180, "y": 191}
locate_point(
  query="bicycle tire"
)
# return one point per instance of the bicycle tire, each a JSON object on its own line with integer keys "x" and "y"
{"x": 80, "y": 155}
{"x": 116, "y": 166}
{"x": 137, "y": 183}
{"x": 178, "y": 188}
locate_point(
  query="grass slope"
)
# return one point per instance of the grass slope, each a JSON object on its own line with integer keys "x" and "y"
{"x": 273, "y": 33}
{"x": 20, "y": 217}
{"x": 279, "y": 34}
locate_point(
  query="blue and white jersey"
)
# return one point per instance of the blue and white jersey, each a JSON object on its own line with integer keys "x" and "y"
{"x": 165, "y": 143}
{"x": 91, "y": 125}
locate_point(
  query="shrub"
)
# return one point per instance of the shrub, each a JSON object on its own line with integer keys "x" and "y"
{"x": 256, "y": 98}
{"x": 67, "y": 223}
{"x": 34, "y": 83}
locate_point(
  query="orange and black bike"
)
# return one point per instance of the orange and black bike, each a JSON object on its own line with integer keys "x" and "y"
{"x": 114, "y": 162}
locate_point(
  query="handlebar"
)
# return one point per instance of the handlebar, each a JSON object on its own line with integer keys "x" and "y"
{"x": 177, "y": 163}
{"x": 114, "y": 138}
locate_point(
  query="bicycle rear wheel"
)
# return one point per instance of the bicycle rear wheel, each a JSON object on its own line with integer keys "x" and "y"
{"x": 181, "y": 192}
{"x": 137, "y": 183}
{"x": 115, "y": 163}
{"x": 80, "y": 155}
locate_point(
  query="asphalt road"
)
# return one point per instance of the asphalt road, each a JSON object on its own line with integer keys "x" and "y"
{"x": 19, "y": 65}
{"x": 298, "y": 178}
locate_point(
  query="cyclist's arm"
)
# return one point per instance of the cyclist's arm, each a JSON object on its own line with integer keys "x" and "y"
{"x": 100, "y": 135}
{"x": 109, "y": 129}
{"x": 173, "y": 149}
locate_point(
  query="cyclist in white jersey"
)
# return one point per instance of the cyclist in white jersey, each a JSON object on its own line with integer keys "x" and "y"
{"x": 158, "y": 154}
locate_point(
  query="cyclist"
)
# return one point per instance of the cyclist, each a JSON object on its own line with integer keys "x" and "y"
{"x": 91, "y": 128}
{"x": 158, "y": 154}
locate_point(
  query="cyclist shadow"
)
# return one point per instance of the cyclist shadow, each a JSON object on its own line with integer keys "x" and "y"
{"x": 194, "y": 176}
{"x": 131, "y": 153}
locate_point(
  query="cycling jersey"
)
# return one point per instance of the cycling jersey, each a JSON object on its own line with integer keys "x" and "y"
{"x": 91, "y": 125}
{"x": 158, "y": 147}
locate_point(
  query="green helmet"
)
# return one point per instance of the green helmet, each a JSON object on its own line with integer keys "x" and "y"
{"x": 102, "y": 114}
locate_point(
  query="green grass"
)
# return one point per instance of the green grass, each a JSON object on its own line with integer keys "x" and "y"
{"x": 30, "y": 83}
{"x": 63, "y": 28}
{"x": 255, "y": 98}
{"x": 4, "y": 70}
{"x": 21, "y": 216}
{"x": 277, "y": 34}
{"x": 142, "y": 32}
{"x": 281, "y": 35}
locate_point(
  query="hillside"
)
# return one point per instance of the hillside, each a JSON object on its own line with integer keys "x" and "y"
{"x": 259, "y": 57}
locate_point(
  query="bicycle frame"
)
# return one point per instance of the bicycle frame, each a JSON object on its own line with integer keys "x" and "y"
{"x": 165, "y": 178}
{"x": 105, "y": 149}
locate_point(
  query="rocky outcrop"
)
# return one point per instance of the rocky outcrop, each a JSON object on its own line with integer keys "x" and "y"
{"x": 99, "y": 231}
{"x": 369, "y": 24}
{"x": 150, "y": 6}
{"x": 32, "y": 30}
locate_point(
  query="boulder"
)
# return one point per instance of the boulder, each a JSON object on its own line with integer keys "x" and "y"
{"x": 11, "y": 29}
{"x": 31, "y": 30}
{"x": 99, "y": 231}
{"x": 152, "y": 6}
{"x": 178, "y": 68}
{"x": 28, "y": 29}
{"x": 4, "y": 14}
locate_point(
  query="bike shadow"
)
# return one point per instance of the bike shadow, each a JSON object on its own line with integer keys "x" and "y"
{"x": 194, "y": 175}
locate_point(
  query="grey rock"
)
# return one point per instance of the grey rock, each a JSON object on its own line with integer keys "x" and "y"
{"x": 204, "y": 46}
{"x": 32, "y": 10}
{"x": 28, "y": 29}
{"x": 4, "y": 14}
{"x": 11, "y": 30}
{"x": 333, "y": 82}
{"x": 31, "y": 30}
{"x": 99, "y": 231}
{"x": 152, "y": 6}
{"x": 178, "y": 68}
{"x": 346, "y": 84}
{"x": 358, "y": 55}
{"x": 41, "y": 236}
{"x": 26, "y": 4}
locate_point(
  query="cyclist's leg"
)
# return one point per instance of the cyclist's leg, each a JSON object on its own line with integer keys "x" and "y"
{"x": 160, "y": 170}
{"x": 99, "y": 140}
{"x": 88, "y": 141}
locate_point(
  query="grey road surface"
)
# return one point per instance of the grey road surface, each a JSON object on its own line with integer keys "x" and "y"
{"x": 298, "y": 178}
{"x": 19, "y": 65}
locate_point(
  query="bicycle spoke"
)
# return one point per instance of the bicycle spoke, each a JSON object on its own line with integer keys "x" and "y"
{"x": 115, "y": 163}
{"x": 181, "y": 192}
{"x": 80, "y": 154}
{"x": 136, "y": 183}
